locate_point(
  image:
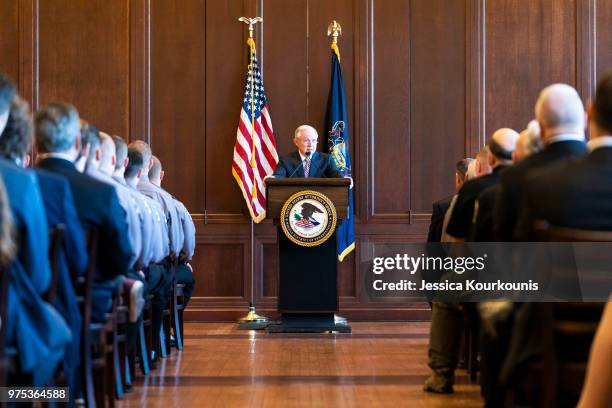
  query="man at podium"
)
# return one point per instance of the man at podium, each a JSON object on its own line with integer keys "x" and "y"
{"x": 306, "y": 161}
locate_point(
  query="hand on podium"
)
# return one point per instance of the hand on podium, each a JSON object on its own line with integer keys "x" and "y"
{"x": 350, "y": 178}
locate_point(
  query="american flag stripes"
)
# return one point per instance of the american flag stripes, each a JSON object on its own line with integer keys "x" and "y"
{"x": 255, "y": 155}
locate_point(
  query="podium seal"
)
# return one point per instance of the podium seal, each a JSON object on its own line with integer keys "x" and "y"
{"x": 308, "y": 218}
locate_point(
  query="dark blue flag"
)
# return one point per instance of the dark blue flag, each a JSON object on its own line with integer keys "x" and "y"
{"x": 338, "y": 147}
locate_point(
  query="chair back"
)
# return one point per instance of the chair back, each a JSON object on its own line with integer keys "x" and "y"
{"x": 56, "y": 239}
{"x": 568, "y": 328}
{"x": 4, "y": 283}
{"x": 552, "y": 233}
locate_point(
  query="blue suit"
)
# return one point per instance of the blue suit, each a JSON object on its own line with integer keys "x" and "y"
{"x": 321, "y": 165}
{"x": 59, "y": 207}
{"x": 36, "y": 329}
{"x": 98, "y": 206}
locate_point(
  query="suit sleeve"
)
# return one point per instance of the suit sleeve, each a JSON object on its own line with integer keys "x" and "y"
{"x": 74, "y": 237}
{"x": 281, "y": 170}
{"x": 331, "y": 170}
{"x": 34, "y": 241}
{"x": 435, "y": 226}
{"x": 461, "y": 218}
{"x": 505, "y": 211}
{"x": 524, "y": 224}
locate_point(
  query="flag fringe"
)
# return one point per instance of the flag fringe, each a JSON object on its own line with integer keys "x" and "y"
{"x": 261, "y": 216}
{"x": 346, "y": 251}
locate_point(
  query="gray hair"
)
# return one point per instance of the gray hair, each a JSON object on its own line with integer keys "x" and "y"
{"x": 559, "y": 107}
{"x": 57, "y": 127}
{"x": 16, "y": 140}
{"x": 532, "y": 143}
{"x": 471, "y": 171}
{"x": 302, "y": 128}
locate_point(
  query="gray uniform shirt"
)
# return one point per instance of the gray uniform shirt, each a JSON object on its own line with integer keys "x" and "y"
{"x": 165, "y": 200}
{"x": 188, "y": 230}
{"x": 132, "y": 211}
{"x": 147, "y": 222}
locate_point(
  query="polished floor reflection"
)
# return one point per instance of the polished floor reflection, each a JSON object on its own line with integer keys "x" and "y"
{"x": 379, "y": 365}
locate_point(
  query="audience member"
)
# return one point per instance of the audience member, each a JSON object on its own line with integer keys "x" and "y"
{"x": 33, "y": 327}
{"x": 15, "y": 145}
{"x": 464, "y": 170}
{"x": 447, "y": 318}
{"x": 560, "y": 114}
{"x": 529, "y": 142}
{"x": 58, "y": 142}
{"x": 184, "y": 272}
{"x": 161, "y": 196}
{"x": 500, "y": 157}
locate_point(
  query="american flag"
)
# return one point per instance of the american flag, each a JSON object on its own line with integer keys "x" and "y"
{"x": 255, "y": 150}
{"x": 304, "y": 223}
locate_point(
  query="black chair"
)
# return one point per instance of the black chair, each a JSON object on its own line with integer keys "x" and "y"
{"x": 568, "y": 330}
{"x": 5, "y": 361}
{"x": 179, "y": 308}
{"x": 93, "y": 360}
{"x": 56, "y": 238}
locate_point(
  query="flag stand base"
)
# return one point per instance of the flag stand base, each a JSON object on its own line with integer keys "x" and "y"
{"x": 253, "y": 321}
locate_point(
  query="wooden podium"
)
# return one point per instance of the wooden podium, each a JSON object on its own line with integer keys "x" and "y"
{"x": 307, "y": 273}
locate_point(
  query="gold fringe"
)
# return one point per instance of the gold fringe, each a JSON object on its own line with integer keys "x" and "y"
{"x": 336, "y": 50}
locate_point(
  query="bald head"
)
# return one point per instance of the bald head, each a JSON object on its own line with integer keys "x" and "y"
{"x": 156, "y": 174}
{"x": 108, "y": 158}
{"x": 145, "y": 150}
{"x": 506, "y": 139}
{"x": 559, "y": 110}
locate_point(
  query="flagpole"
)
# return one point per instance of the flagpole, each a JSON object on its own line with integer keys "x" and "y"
{"x": 252, "y": 320}
{"x": 334, "y": 30}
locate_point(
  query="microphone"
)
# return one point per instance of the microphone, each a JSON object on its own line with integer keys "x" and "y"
{"x": 301, "y": 164}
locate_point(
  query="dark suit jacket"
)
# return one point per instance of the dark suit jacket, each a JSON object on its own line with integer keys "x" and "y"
{"x": 571, "y": 193}
{"x": 506, "y": 211}
{"x": 437, "y": 219}
{"x": 321, "y": 165}
{"x": 33, "y": 327}
{"x": 460, "y": 224}
{"x": 97, "y": 205}
{"x": 482, "y": 230}
{"x": 59, "y": 208}
{"x": 574, "y": 194}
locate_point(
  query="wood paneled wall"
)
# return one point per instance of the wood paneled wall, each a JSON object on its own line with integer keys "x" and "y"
{"x": 427, "y": 81}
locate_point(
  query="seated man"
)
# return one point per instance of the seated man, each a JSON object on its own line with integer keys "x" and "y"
{"x": 165, "y": 200}
{"x": 184, "y": 272}
{"x": 447, "y": 318}
{"x": 15, "y": 144}
{"x": 33, "y": 327}
{"x": 100, "y": 165}
{"x": 440, "y": 207}
{"x": 58, "y": 141}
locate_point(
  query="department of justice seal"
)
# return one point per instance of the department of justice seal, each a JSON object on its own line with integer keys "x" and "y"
{"x": 308, "y": 218}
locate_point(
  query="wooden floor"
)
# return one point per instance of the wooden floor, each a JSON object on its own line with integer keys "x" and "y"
{"x": 379, "y": 365}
